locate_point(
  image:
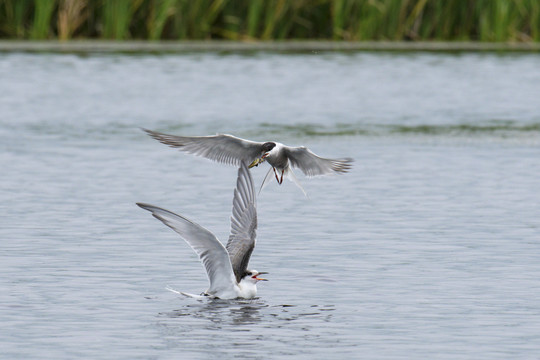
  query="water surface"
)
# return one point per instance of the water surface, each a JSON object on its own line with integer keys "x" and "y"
{"x": 428, "y": 248}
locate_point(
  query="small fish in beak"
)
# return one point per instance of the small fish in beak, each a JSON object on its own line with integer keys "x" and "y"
{"x": 257, "y": 161}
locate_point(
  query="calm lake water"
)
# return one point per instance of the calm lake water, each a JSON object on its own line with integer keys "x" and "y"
{"x": 428, "y": 249}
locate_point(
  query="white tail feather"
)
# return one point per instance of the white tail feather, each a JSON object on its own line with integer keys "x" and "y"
{"x": 172, "y": 290}
{"x": 185, "y": 294}
{"x": 198, "y": 297}
{"x": 290, "y": 175}
{"x": 267, "y": 179}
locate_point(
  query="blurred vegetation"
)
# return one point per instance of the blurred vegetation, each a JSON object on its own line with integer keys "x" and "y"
{"x": 444, "y": 20}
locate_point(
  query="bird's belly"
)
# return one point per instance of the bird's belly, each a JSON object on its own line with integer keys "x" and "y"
{"x": 279, "y": 164}
{"x": 227, "y": 295}
{"x": 247, "y": 292}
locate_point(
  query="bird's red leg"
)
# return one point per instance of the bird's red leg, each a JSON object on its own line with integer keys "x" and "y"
{"x": 282, "y": 171}
{"x": 275, "y": 173}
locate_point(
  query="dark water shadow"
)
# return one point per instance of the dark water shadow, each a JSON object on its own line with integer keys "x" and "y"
{"x": 236, "y": 312}
{"x": 218, "y": 311}
{"x": 246, "y": 328}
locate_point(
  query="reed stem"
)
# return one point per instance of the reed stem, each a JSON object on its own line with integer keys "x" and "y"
{"x": 356, "y": 20}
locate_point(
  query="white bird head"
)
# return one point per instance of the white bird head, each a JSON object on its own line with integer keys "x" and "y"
{"x": 266, "y": 148}
{"x": 252, "y": 276}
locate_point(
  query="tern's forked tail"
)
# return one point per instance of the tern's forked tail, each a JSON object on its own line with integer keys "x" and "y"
{"x": 288, "y": 173}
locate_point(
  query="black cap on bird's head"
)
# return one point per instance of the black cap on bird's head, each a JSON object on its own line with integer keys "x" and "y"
{"x": 267, "y": 146}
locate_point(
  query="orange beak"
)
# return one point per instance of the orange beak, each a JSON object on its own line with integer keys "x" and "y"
{"x": 256, "y": 277}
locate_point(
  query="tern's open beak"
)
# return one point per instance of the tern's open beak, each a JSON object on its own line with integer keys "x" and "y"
{"x": 261, "y": 279}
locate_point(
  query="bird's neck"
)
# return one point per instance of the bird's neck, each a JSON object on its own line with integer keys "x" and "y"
{"x": 247, "y": 289}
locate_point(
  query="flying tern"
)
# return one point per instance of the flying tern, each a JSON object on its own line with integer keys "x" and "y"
{"x": 233, "y": 150}
{"x": 226, "y": 267}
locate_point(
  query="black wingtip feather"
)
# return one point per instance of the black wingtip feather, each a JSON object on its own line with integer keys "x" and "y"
{"x": 143, "y": 205}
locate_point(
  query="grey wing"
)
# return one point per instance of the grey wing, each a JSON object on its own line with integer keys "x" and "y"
{"x": 243, "y": 223}
{"x": 222, "y": 148}
{"x": 211, "y": 252}
{"x": 313, "y": 165}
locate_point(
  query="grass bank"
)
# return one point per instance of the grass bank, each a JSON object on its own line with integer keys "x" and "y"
{"x": 312, "y": 46}
{"x": 353, "y": 20}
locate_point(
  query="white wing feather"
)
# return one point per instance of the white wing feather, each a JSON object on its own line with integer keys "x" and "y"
{"x": 243, "y": 223}
{"x": 222, "y": 148}
{"x": 313, "y": 165}
{"x": 211, "y": 252}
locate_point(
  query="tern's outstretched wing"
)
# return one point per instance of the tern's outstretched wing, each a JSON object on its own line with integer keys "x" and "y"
{"x": 222, "y": 148}
{"x": 243, "y": 223}
{"x": 313, "y": 165}
{"x": 211, "y": 252}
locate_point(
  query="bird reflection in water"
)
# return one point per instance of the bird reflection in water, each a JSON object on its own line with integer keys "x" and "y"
{"x": 227, "y": 312}
{"x": 243, "y": 312}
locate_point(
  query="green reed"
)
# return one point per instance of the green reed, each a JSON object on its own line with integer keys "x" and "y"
{"x": 117, "y": 16}
{"x": 43, "y": 11}
{"x": 158, "y": 14}
{"x": 444, "y": 20}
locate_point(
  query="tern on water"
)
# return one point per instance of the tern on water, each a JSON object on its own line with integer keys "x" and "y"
{"x": 233, "y": 150}
{"x": 226, "y": 267}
